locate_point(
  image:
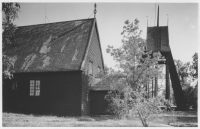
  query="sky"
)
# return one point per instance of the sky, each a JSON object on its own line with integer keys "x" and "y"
{"x": 183, "y": 21}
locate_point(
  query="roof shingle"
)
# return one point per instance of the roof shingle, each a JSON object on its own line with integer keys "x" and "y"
{"x": 50, "y": 47}
{"x": 153, "y": 38}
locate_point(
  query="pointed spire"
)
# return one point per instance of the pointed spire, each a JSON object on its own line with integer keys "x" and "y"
{"x": 155, "y": 15}
{"x": 147, "y": 21}
{"x": 45, "y": 14}
{"x": 158, "y": 17}
{"x": 167, "y": 19}
{"x": 95, "y": 11}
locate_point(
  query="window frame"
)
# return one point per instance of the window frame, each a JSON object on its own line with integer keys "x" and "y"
{"x": 35, "y": 87}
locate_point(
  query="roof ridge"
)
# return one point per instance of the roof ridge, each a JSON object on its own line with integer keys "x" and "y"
{"x": 55, "y": 22}
{"x": 156, "y": 26}
{"x": 71, "y": 29}
{"x": 50, "y": 47}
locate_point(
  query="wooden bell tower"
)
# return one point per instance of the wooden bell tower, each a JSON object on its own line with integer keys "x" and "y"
{"x": 158, "y": 40}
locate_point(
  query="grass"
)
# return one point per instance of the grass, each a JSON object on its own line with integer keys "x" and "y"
{"x": 182, "y": 119}
{"x": 21, "y": 120}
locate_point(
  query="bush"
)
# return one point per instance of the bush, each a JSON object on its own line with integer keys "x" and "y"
{"x": 146, "y": 109}
{"x": 190, "y": 94}
{"x": 117, "y": 106}
{"x": 133, "y": 104}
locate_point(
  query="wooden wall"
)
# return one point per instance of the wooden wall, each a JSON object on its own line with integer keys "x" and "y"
{"x": 60, "y": 94}
{"x": 98, "y": 104}
{"x": 94, "y": 56}
{"x": 85, "y": 99}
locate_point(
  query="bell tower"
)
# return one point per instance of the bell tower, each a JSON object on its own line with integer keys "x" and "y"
{"x": 158, "y": 40}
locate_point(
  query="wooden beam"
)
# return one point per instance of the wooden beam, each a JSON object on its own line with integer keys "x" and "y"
{"x": 156, "y": 87}
{"x": 167, "y": 78}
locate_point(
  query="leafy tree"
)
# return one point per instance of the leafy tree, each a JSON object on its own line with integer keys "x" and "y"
{"x": 194, "y": 73}
{"x": 10, "y": 11}
{"x": 190, "y": 94}
{"x": 183, "y": 70}
{"x": 188, "y": 73}
{"x": 137, "y": 68}
{"x": 171, "y": 98}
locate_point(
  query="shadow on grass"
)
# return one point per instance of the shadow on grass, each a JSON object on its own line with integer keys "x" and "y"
{"x": 182, "y": 119}
{"x": 187, "y": 119}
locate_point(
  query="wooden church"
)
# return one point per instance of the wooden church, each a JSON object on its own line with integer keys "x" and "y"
{"x": 54, "y": 65}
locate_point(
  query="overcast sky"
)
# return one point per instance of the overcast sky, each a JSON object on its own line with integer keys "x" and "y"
{"x": 183, "y": 21}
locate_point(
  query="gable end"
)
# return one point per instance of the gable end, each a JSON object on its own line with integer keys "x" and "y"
{"x": 93, "y": 52}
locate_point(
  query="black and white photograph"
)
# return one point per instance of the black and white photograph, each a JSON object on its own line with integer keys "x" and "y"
{"x": 100, "y": 63}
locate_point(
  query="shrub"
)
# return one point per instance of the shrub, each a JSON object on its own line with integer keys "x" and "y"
{"x": 133, "y": 104}
{"x": 117, "y": 106}
{"x": 191, "y": 95}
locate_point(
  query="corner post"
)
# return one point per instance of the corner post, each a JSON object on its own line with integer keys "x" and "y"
{"x": 167, "y": 78}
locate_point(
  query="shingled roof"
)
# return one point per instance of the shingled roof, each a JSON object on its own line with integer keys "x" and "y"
{"x": 153, "y": 38}
{"x": 57, "y": 46}
{"x": 100, "y": 85}
{"x": 108, "y": 83}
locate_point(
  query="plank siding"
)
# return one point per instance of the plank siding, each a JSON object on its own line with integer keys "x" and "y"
{"x": 60, "y": 94}
{"x": 94, "y": 55}
{"x": 85, "y": 100}
{"x": 98, "y": 104}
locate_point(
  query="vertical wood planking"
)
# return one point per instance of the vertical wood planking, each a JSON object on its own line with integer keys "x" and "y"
{"x": 60, "y": 94}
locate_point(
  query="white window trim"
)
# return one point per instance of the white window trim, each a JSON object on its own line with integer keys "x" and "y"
{"x": 35, "y": 87}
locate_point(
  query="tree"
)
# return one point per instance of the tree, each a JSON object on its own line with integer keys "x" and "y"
{"x": 10, "y": 11}
{"x": 194, "y": 73}
{"x": 137, "y": 68}
{"x": 183, "y": 70}
{"x": 188, "y": 73}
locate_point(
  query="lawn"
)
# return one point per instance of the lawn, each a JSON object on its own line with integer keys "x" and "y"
{"x": 22, "y": 120}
